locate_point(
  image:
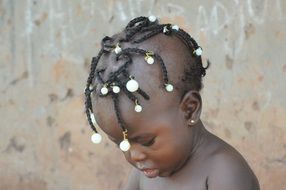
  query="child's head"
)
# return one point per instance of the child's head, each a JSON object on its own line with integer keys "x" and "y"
{"x": 143, "y": 89}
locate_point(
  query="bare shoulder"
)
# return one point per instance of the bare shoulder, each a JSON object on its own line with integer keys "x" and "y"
{"x": 133, "y": 180}
{"x": 229, "y": 170}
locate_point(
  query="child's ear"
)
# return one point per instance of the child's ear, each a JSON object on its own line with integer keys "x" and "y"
{"x": 191, "y": 105}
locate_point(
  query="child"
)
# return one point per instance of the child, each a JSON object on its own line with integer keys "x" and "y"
{"x": 143, "y": 90}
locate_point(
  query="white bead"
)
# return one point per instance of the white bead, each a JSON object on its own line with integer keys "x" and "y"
{"x": 93, "y": 118}
{"x": 152, "y": 18}
{"x": 117, "y": 49}
{"x": 150, "y": 60}
{"x": 115, "y": 89}
{"x": 165, "y": 29}
{"x": 175, "y": 27}
{"x": 199, "y": 51}
{"x": 169, "y": 87}
{"x": 104, "y": 90}
{"x": 96, "y": 138}
{"x": 138, "y": 108}
{"x": 132, "y": 85}
{"x": 124, "y": 145}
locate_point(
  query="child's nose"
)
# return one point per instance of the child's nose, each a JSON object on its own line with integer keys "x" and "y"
{"x": 136, "y": 155}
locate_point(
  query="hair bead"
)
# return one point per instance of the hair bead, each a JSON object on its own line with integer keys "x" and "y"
{"x": 124, "y": 144}
{"x": 117, "y": 49}
{"x": 96, "y": 138}
{"x": 198, "y": 51}
{"x": 152, "y": 18}
{"x": 175, "y": 27}
{"x": 148, "y": 57}
{"x": 115, "y": 89}
{"x": 165, "y": 30}
{"x": 132, "y": 85}
{"x": 138, "y": 108}
{"x": 169, "y": 87}
{"x": 104, "y": 90}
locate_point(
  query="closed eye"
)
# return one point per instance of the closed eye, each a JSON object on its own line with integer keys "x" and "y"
{"x": 149, "y": 143}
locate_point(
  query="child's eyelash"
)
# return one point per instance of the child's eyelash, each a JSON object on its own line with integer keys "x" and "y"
{"x": 149, "y": 143}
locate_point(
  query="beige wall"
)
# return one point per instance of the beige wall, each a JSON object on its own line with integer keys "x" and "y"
{"x": 46, "y": 48}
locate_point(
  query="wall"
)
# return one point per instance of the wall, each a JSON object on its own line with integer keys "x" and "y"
{"x": 46, "y": 48}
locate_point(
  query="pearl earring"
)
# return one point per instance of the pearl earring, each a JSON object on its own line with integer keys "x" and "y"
{"x": 148, "y": 57}
{"x": 124, "y": 145}
{"x": 191, "y": 122}
{"x": 132, "y": 85}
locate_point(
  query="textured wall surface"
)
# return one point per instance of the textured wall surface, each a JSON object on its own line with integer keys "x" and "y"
{"x": 45, "y": 52}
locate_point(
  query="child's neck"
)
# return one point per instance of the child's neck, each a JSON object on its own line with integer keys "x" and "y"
{"x": 199, "y": 136}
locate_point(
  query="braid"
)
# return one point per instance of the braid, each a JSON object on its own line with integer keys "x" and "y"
{"x": 165, "y": 73}
{"x": 117, "y": 112}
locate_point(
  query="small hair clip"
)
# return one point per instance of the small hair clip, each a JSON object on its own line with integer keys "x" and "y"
{"x": 124, "y": 145}
{"x": 117, "y": 49}
{"x": 132, "y": 85}
{"x": 96, "y": 138}
{"x": 104, "y": 89}
{"x": 169, "y": 87}
{"x": 138, "y": 107}
{"x": 198, "y": 51}
{"x": 148, "y": 57}
{"x": 115, "y": 89}
{"x": 175, "y": 27}
{"x": 165, "y": 30}
{"x": 152, "y": 18}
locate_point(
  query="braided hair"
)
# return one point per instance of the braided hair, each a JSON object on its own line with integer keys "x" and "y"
{"x": 137, "y": 30}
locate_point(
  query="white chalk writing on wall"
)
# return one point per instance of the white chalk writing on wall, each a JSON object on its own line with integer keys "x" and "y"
{"x": 210, "y": 19}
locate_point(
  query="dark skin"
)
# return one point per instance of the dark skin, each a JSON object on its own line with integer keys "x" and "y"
{"x": 180, "y": 153}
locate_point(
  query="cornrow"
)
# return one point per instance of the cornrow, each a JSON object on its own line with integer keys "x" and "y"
{"x": 137, "y": 30}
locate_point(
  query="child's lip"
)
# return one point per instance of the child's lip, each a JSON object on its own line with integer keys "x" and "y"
{"x": 151, "y": 173}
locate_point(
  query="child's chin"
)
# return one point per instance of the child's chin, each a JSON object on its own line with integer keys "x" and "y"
{"x": 165, "y": 174}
